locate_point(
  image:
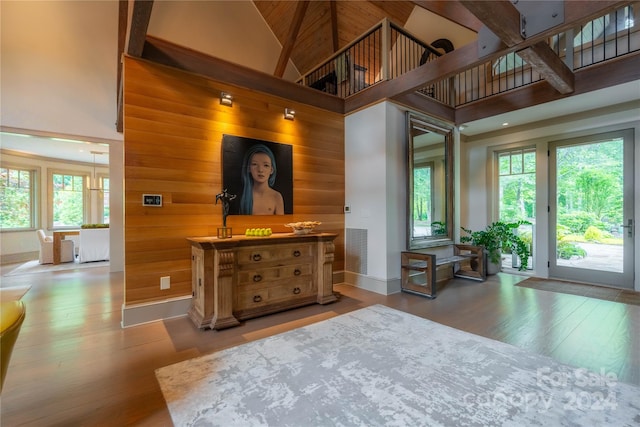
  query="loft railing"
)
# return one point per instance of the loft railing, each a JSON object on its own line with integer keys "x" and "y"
{"x": 387, "y": 51}
{"x": 608, "y": 37}
{"x": 384, "y": 52}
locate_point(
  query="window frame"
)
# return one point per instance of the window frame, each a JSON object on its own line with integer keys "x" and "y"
{"x": 34, "y": 196}
{"x": 86, "y": 209}
{"x": 101, "y": 197}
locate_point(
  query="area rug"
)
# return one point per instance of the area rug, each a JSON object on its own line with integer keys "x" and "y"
{"x": 592, "y": 291}
{"x": 382, "y": 367}
{"x": 34, "y": 267}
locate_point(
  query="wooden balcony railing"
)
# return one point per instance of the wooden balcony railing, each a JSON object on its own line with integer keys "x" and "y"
{"x": 388, "y": 51}
{"x": 384, "y": 52}
{"x": 608, "y": 37}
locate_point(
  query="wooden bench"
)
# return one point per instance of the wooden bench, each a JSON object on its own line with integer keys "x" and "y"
{"x": 423, "y": 272}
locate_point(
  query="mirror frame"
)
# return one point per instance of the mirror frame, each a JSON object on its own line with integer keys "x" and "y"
{"x": 446, "y": 130}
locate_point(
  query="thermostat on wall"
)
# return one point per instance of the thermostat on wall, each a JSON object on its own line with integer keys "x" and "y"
{"x": 152, "y": 200}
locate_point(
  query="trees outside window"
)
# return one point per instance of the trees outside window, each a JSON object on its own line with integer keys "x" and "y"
{"x": 17, "y": 198}
{"x": 517, "y": 192}
{"x": 68, "y": 205}
{"x": 422, "y": 200}
{"x": 517, "y": 182}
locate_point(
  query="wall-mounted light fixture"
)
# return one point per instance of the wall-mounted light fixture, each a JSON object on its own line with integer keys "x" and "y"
{"x": 289, "y": 114}
{"x": 226, "y": 99}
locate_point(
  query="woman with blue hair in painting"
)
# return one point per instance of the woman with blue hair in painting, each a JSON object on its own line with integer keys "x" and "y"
{"x": 258, "y": 177}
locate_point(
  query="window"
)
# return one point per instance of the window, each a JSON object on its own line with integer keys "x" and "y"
{"x": 17, "y": 198}
{"x": 67, "y": 196}
{"x": 517, "y": 184}
{"x": 517, "y": 193}
{"x": 104, "y": 203}
{"x": 508, "y": 62}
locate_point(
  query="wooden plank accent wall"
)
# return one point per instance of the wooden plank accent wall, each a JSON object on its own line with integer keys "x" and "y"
{"x": 173, "y": 127}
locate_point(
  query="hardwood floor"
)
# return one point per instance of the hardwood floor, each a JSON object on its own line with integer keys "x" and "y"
{"x": 73, "y": 364}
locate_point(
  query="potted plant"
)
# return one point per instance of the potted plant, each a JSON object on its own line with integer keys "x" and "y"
{"x": 495, "y": 238}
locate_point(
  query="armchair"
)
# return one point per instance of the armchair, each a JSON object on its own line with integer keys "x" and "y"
{"x": 46, "y": 249}
{"x": 11, "y": 319}
{"x": 12, "y": 316}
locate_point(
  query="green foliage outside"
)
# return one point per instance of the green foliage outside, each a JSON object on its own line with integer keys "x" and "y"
{"x": 68, "y": 203}
{"x": 567, "y": 250}
{"x": 421, "y": 193}
{"x": 590, "y": 188}
{"x": 15, "y": 199}
{"x": 578, "y": 222}
{"x": 594, "y": 234}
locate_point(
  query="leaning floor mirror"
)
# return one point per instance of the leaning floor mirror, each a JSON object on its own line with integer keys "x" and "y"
{"x": 430, "y": 182}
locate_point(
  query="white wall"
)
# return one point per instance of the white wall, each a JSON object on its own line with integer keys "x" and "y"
{"x": 232, "y": 30}
{"x": 438, "y": 27}
{"x": 477, "y": 197}
{"x": 59, "y": 64}
{"x": 375, "y": 168}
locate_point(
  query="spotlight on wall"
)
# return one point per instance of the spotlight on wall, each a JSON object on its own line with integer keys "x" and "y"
{"x": 289, "y": 114}
{"x": 226, "y": 99}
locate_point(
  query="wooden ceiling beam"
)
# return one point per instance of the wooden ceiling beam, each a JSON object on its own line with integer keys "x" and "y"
{"x": 290, "y": 41}
{"x": 182, "y": 58}
{"x": 467, "y": 57}
{"x": 503, "y": 19}
{"x": 139, "y": 25}
{"x": 123, "y": 25}
{"x": 334, "y": 25}
{"x": 134, "y": 47}
{"x": 612, "y": 73}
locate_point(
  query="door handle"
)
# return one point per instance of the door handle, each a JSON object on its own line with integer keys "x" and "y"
{"x": 629, "y": 227}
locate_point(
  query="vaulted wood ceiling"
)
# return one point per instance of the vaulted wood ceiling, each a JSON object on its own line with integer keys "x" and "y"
{"x": 327, "y": 26}
{"x": 311, "y": 31}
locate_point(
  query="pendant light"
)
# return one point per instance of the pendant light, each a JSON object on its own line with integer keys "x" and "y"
{"x": 94, "y": 176}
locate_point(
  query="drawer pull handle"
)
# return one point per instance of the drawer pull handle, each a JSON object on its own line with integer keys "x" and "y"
{"x": 296, "y": 253}
{"x": 296, "y": 291}
{"x": 257, "y": 278}
{"x": 297, "y": 272}
{"x": 257, "y": 257}
{"x": 257, "y": 298}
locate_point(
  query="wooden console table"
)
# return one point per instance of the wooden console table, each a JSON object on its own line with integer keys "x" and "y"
{"x": 58, "y": 237}
{"x": 243, "y": 277}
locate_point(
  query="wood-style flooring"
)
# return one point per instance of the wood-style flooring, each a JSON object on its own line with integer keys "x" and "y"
{"x": 73, "y": 365}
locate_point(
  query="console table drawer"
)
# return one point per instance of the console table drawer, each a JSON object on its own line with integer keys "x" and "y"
{"x": 250, "y": 297}
{"x": 261, "y": 275}
{"x": 274, "y": 253}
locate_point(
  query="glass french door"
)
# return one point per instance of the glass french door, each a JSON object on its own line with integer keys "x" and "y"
{"x": 591, "y": 209}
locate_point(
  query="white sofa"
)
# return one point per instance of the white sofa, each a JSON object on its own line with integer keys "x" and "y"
{"x": 46, "y": 249}
{"x": 94, "y": 244}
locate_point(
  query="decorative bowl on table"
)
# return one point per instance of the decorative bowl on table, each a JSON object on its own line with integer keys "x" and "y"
{"x": 303, "y": 227}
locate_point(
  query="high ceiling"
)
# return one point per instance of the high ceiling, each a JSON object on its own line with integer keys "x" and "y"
{"x": 327, "y": 26}
{"x": 311, "y": 31}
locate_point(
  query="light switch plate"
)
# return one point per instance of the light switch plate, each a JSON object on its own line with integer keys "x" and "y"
{"x": 152, "y": 200}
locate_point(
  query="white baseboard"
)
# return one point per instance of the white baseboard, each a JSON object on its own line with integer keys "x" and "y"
{"x": 137, "y": 314}
{"x": 379, "y": 286}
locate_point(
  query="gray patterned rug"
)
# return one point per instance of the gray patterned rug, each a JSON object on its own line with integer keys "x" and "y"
{"x": 381, "y": 367}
